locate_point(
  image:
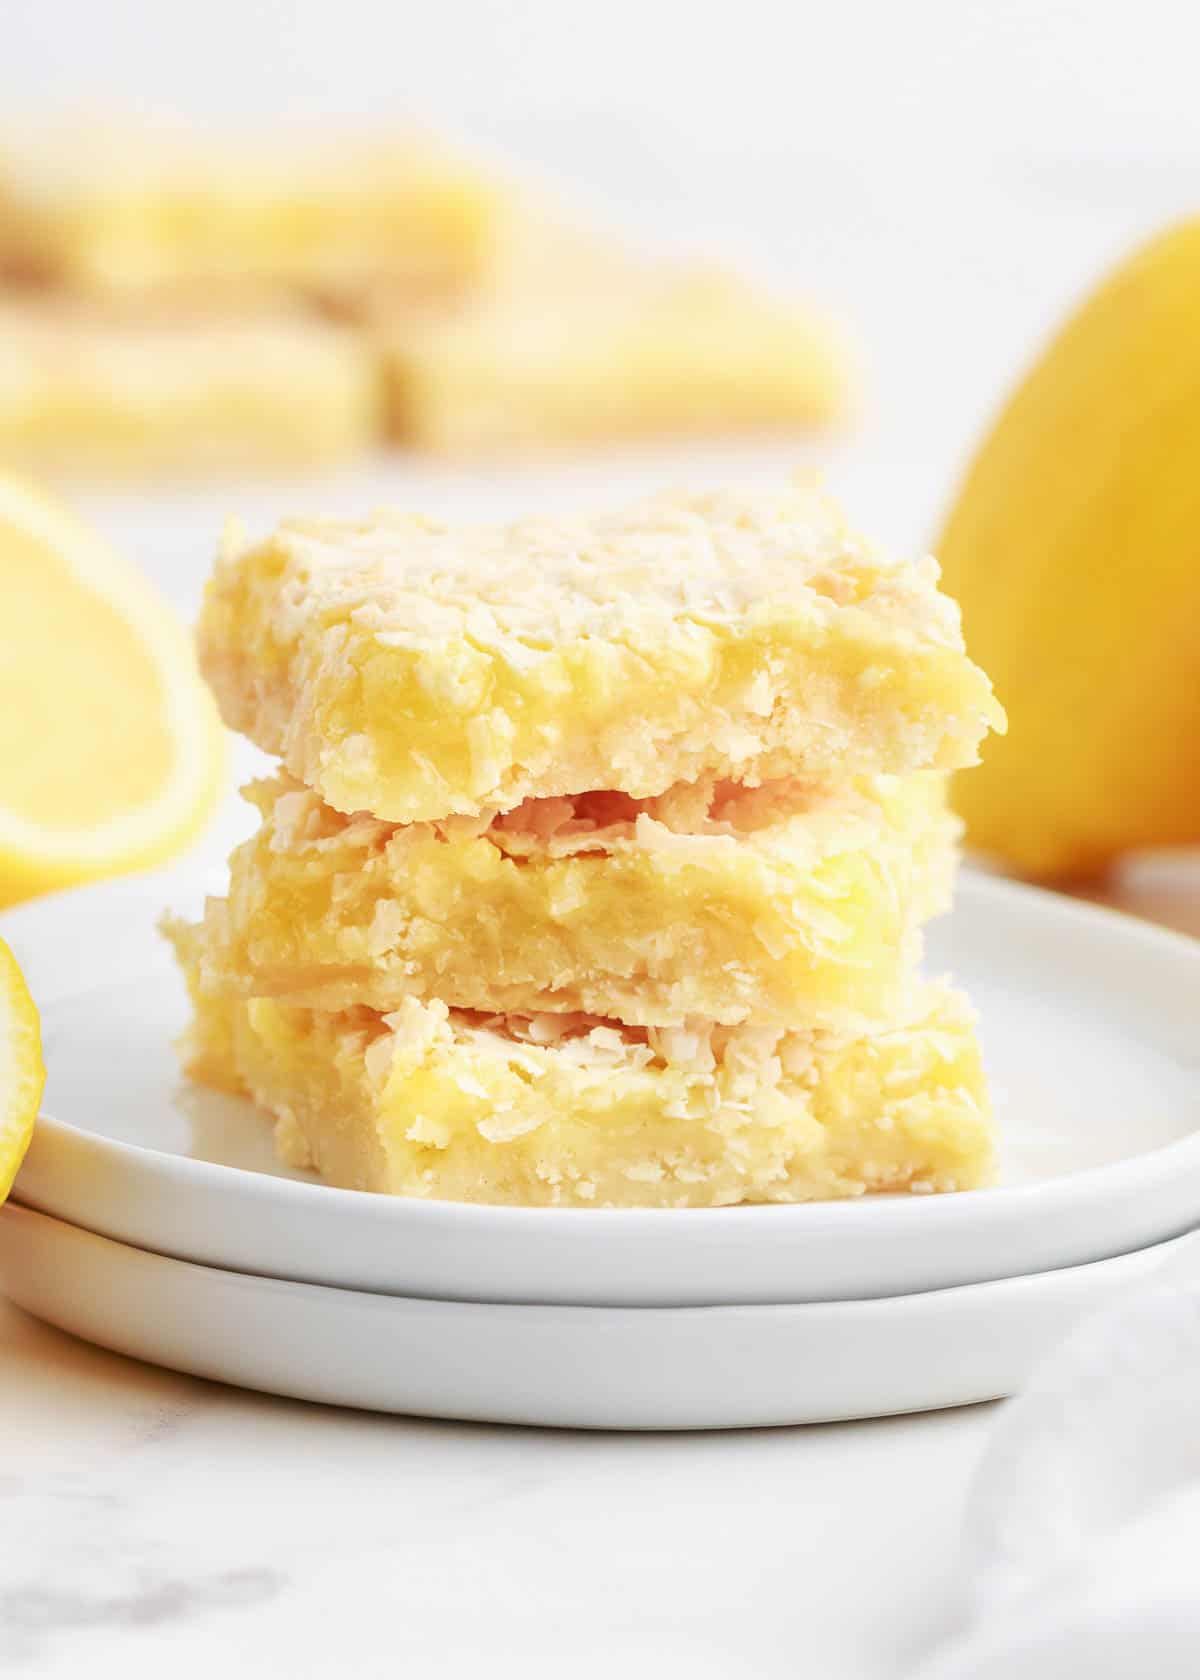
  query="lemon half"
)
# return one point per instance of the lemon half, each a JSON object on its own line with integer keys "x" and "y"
{"x": 110, "y": 746}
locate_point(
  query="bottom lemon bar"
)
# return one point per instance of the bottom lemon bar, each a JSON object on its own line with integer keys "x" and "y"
{"x": 95, "y": 388}
{"x": 560, "y": 1110}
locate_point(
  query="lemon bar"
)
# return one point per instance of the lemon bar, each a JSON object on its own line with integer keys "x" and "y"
{"x": 416, "y": 670}
{"x": 85, "y": 387}
{"x": 647, "y": 351}
{"x": 781, "y": 903}
{"x": 565, "y": 1110}
{"x": 130, "y": 208}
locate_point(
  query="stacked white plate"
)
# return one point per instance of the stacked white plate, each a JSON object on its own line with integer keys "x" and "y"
{"x": 152, "y": 1218}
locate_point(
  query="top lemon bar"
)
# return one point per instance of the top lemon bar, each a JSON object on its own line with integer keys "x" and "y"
{"x": 128, "y": 207}
{"x": 416, "y": 670}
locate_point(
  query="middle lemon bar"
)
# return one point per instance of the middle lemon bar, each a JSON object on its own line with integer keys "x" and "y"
{"x": 783, "y": 903}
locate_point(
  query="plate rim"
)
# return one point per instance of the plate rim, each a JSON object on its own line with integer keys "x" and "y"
{"x": 862, "y": 1307}
{"x": 1079, "y": 1181}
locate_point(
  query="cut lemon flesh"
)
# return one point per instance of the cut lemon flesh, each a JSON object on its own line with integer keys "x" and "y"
{"x": 110, "y": 749}
{"x": 22, "y": 1074}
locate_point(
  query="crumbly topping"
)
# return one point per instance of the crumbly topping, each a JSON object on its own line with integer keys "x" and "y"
{"x": 602, "y": 820}
{"x": 685, "y": 560}
{"x": 756, "y": 1054}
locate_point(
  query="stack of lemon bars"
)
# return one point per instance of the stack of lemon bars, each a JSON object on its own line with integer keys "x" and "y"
{"x": 596, "y": 867}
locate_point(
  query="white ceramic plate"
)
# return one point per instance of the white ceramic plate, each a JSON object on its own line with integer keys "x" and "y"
{"x": 569, "y": 1367}
{"x": 1089, "y": 1024}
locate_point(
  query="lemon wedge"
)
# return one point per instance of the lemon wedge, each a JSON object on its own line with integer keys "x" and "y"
{"x": 22, "y": 1074}
{"x": 110, "y": 747}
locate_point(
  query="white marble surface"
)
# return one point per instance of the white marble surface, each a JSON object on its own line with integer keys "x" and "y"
{"x": 154, "y": 1524}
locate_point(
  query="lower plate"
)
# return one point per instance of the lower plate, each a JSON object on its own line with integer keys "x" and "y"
{"x": 573, "y": 1367}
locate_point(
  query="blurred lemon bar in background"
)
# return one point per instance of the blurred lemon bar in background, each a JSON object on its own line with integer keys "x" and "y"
{"x": 95, "y": 387}
{"x": 569, "y": 1110}
{"x": 416, "y": 670}
{"x": 776, "y": 903}
{"x": 128, "y": 206}
{"x": 576, "y": 336}
{"x": 494, "y": 319}
{"x": 617, "y": 350}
